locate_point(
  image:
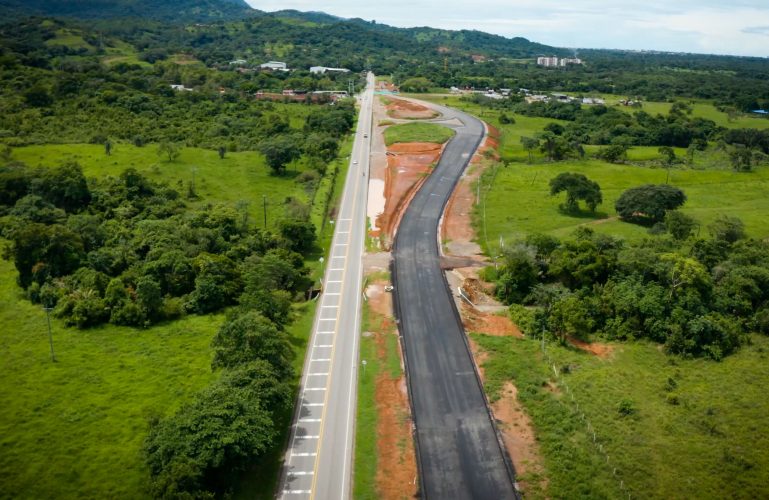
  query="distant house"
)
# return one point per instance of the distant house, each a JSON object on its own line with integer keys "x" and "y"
{"x": 593, "y": 101}
{"x": 319, "y": 70}
{"x": 180, "y": 88}
{"x": 562, "y": 97}
{"x": 274, "y": 66}
{"x": 238, "y": 62}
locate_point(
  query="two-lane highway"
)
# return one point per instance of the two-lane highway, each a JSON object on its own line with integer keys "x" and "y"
{"x": 459, "y": 454}
{"x": 318, "y": 460}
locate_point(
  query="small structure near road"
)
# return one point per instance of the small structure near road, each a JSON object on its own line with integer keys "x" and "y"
{"x": 274, "y": 66}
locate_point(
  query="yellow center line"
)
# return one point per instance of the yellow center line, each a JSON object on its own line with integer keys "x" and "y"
{"x": 336, "y": 334}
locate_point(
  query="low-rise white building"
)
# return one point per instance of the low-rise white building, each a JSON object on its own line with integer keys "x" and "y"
{"x": 323, "y": 69}
{"x": 274, "y": 66}
{"x": 238, "y": 62}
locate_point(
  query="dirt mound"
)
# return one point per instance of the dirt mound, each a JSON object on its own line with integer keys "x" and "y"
{"x": 407, "y": 110}
{"x": 487, "y": 323}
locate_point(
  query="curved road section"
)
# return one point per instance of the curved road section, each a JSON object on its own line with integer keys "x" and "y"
{"x": 459, "y": 454}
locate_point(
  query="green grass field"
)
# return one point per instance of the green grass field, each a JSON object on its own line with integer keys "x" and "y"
{"x": 519, "y": 202}
{"x": 238, "y": 177}
{"x": 417, "y": 132}
{"x": 74, "y": 428}
{"x": 699, "y": 436}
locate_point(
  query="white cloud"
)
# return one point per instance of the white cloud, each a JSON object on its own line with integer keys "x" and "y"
{"x": 739, "y": 27}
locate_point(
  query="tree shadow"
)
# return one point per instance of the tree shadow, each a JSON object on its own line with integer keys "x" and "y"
{"x": 583, "y": 214}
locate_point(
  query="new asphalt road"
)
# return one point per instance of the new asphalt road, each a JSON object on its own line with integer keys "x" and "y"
{"x": 318, "y": 461}
{"x": 459, "y": 454}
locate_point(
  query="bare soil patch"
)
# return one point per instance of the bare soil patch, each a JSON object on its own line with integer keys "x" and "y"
{"x": 408, "y": 165}
{"x": 407, "y": 110}
{"x": 518, "y": 436}
{"x": 596, "y": 348}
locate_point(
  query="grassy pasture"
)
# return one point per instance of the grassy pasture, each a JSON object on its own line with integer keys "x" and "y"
{"x": 519, "y": 203}
{"x": 700, "y": 436}
{"x": 238, "y": 177}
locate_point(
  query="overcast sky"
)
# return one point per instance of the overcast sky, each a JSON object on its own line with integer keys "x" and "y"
{"x": 739, "y": 27}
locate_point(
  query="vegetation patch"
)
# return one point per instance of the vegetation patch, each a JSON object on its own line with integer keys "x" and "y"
{"x": 417, "y": 132}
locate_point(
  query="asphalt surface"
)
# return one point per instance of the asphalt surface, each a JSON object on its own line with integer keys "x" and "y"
{"x": 318, "y": 459}
{"x": 459, "y": 454}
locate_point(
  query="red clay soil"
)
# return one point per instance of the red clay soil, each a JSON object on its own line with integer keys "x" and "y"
{"x": 407, "y": 110}
{"x": 518, "y": 436}
{"x": 408, "y": 165}
{"x": 396, "y": 458}
{"x": 488, "y": 324}
{"x": 600, "y": 350}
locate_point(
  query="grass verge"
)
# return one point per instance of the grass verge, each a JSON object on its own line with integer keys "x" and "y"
{"x": 417, "y": 132}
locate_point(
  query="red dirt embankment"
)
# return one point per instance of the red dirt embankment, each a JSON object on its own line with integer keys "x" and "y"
{"x": 408, "y": 165}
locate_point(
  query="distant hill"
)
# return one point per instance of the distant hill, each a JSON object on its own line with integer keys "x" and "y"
{"x": 161, "y": 10}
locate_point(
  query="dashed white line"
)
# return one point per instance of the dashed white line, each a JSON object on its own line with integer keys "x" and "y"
{"x": 314, "y": 388}
{"x": 307, "y": 437}
{"x": 330, "y": 307}
{"x": 325, "y": 345}
{"x": 312, "y": 404}
{"x": 297, "y": 492}
{"x": 302, "y": 473}
{"x": 321, "y": 359}
{"x": 317, "y": 374}
{"x": 303, "y": 454}
{"x": 309, "y": 420}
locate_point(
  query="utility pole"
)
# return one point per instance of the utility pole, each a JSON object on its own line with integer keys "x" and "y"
{"x": 264, "y": 204}
{"x": 50, "y": 335}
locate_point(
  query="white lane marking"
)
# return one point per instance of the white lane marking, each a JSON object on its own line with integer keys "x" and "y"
{"x": 333, "y": 281}
{"x": 325, "y": 345}
{"x": 297, "y": 492}
{"x": 302, "y": 473}
{"x": 312, "y": 404}
{"x": 326, "y": 319}
{"x": 309, "y": 420}
{"x": 324, "y": 333}
{"x": 303, "y": 454}
{"x": 315, "y": 389}
{"x": 330, "y": 307}
{"x": 331, "y": 294}
{"x": 321, "y": 359}
{"x": 343, "y": 232}
{"x": 345, "y": 220}
{"x": 317, "y": 374}
{"x": 336, "y": 269}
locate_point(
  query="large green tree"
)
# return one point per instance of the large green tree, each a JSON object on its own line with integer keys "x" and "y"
{"x": 578, "y": 187}
{"x": 648, "y": 204}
